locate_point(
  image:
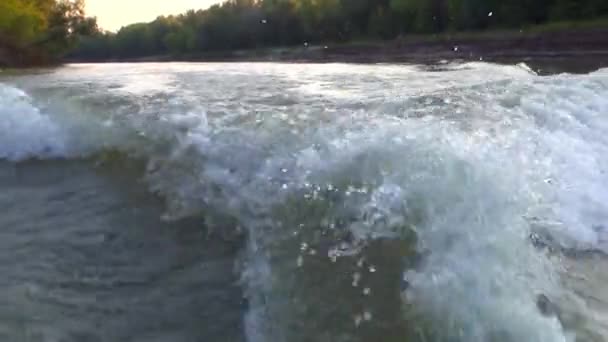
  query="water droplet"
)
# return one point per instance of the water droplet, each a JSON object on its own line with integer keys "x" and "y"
{"x": 360, "y": 262}
{"x": 372, "y": 269}
{"x": 356, "y": 279}
{"x": 313, "y": 252}
{"x": 303, "y": 246}
{"x": 358, "y": 319}
{"x": 367, "y": 291}
{"x": 300, "y": 261}
{"x": 264, "y": 21}
{"x": 367, "y": 316}
{"x": 481, "y": 58}
{"x": 284, "y": 170}
{"x": 455, "y": 48}
{"x": 490, "y": 14}
{"x": 285, "y": 186}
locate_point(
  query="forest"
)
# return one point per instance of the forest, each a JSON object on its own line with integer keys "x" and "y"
{"x": 246, "y": 24}
{"x": 35, "y": 32}
{"x": 55, "y": 28}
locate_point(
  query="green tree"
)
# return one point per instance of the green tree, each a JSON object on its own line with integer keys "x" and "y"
{"x": 246, "y": 24}
{"x": 21, "y": 21}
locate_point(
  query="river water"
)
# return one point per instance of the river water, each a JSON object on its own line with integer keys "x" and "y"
{"x": 281, "y": 202}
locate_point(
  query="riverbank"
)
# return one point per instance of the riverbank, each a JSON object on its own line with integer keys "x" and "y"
{"x": 13, "y": 56}
{"x": 580, "y": 49}
{"x": 20, "y": 55}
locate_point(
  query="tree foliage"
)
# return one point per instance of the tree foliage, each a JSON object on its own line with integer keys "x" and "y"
{"x": 244, "y": 24}
{"x": 55, "y": 26}
{"x": 43, "y": 28}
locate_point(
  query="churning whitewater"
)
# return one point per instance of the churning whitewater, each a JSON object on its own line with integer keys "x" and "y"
{"x": 396, "y": 203}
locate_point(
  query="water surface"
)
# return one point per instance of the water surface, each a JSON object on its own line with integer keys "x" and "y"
{"x": 282, "y": 202}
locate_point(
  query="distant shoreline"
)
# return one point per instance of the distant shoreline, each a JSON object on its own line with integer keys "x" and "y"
{"x": 572, "y": 50}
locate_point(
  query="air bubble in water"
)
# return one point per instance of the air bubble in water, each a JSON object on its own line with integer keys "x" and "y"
{"x": 358, "y": 319}
{"x": 356, "y": 279}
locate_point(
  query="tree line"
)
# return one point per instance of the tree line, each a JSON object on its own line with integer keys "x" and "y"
{"x": 41, "y": 31}
{"x": 247, "y": 24}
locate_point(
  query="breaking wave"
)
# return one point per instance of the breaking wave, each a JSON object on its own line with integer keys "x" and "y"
{"x": 356, "y": 185}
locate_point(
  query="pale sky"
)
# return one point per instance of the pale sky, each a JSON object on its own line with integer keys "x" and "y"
{"x": 113, "y": 14}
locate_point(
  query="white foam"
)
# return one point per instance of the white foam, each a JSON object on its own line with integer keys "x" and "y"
{"x": 25, "y": 132}
{"x": 482, "y": 150}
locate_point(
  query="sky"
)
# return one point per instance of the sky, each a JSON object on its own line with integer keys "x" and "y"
{"x": 113, "y": 14}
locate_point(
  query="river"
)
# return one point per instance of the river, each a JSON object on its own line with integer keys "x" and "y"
{"x": 303, "y": 202}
